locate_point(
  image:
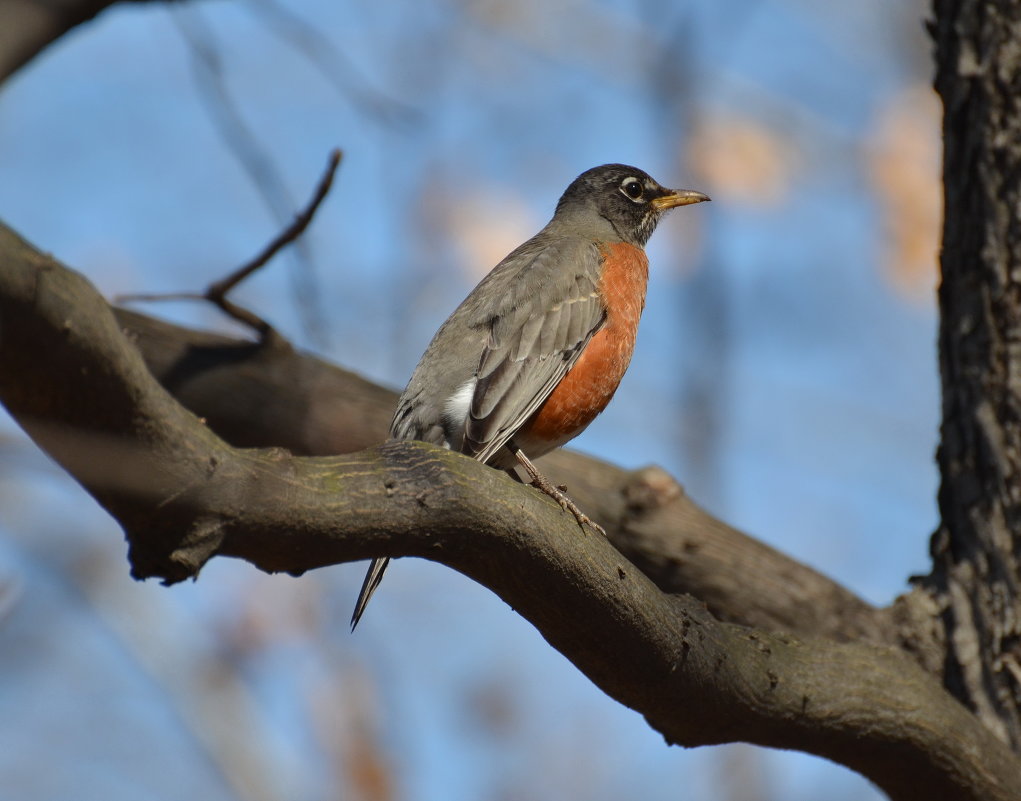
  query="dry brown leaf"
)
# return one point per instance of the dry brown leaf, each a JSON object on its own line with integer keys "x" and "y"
{"x": 741, "y": 160}
{"x": 904, "y": 167}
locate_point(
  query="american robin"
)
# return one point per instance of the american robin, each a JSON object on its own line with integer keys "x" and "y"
{"x": 538, "y": 348}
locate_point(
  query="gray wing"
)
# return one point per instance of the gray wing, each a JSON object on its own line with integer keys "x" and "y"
{"x": 531, "y": 317}
{"x": 537, "y": 331}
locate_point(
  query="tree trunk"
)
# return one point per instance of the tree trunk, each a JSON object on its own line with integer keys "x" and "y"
{"x": 977, "y": 546}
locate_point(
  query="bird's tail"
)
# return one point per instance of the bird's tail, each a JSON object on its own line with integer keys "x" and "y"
{"x": 372, "y": 579}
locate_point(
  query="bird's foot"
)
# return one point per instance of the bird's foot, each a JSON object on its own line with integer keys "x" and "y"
{"x": 557, "y": 493}
{"x": 561, "y": 497}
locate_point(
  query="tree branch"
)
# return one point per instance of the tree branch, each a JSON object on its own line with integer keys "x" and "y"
{"x": 273, "y": 396}
{"x": 183, "y": 495}
{"x": 216, "y": 292}
{"x": 29, "y": 26}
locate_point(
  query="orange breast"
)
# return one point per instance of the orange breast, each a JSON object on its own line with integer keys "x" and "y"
{"x": 588, "y": 386}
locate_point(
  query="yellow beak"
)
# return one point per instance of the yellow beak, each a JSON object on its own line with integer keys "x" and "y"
{"x": 679, "y": 197}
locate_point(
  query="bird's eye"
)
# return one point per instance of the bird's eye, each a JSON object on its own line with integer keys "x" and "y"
{"x": 632, "y": 187}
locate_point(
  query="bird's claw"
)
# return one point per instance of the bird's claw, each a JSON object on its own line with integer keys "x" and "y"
{"x": 559, "y": 494}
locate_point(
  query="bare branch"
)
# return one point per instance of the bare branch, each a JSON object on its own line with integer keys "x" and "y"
{"x": 248, "y": 394}
{"x": 29, "y": 26}
{"x": 254, "y": 159}
{"x": 216, "y": 292}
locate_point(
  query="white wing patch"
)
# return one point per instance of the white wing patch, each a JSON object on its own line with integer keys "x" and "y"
{"x": 455, "y": 408}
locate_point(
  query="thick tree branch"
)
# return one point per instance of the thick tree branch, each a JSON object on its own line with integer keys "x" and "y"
{"x": 31, "y": 25}
{"x": 183, "y": 495}
{"x": 263, "y": 396}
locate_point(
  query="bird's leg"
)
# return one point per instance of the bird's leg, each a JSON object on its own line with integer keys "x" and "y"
{"x": 541, "y": 483}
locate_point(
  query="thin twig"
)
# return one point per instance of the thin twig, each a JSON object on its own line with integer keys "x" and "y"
{"x": 144, "y": 297}
{"x": 216, "y": 292}
{"x": 244, "y": 143}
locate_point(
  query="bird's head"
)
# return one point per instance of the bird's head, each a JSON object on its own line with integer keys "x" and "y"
{"x": 627, "y": 198}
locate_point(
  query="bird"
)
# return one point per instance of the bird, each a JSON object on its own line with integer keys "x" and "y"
{"x": 538, "y": 348}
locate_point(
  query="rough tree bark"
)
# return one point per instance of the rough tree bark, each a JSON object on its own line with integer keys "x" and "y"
{"x": 977, "y": 549}
{"x": 181, "y": 436}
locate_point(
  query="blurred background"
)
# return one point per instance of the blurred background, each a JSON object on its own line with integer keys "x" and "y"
{"x": 786, "y": 369}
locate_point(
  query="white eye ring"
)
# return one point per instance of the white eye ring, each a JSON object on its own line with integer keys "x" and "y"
{"x": 632, "y": 189}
